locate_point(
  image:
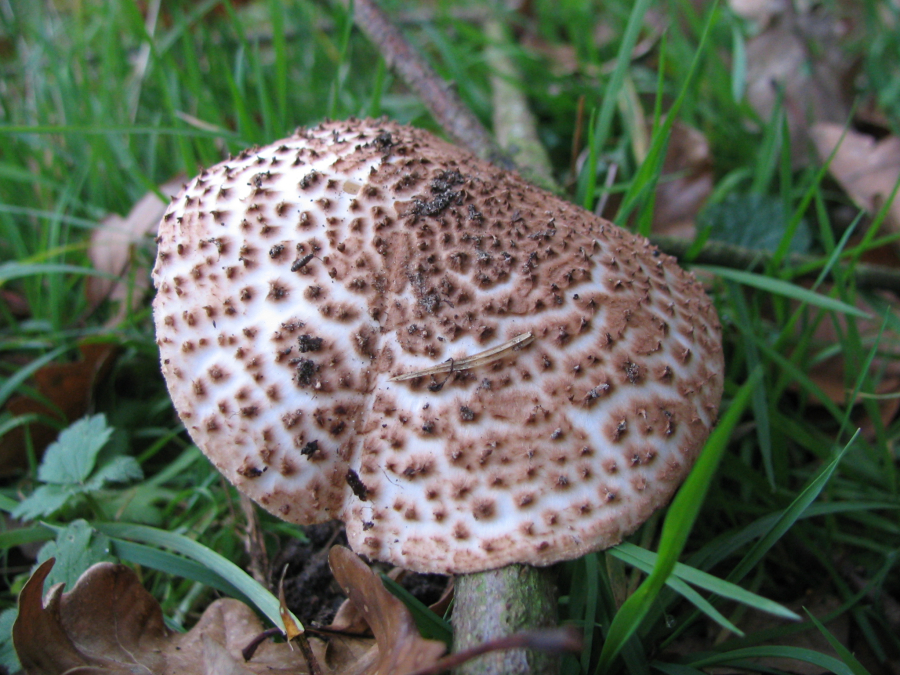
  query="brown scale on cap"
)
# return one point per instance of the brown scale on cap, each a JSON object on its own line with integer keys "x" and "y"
{"x": 571, "y": 372}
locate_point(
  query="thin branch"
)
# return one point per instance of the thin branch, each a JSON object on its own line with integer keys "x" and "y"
{"x": 551, "y": 640}
{"x": 866, "y": 276}
{"x": 441, "y": 98}
{"x": 514, "y": 124}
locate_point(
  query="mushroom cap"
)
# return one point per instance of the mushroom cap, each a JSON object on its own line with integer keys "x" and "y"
{"x": 572, "y": 371}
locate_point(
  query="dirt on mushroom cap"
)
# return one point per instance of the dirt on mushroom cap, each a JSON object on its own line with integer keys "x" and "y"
{"x": 296, "y": 280}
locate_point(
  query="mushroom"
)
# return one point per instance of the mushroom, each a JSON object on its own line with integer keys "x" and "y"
{"x": 364, "y": 322}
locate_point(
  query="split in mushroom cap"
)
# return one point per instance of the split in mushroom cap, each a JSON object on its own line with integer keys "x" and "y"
{"x": 298, "y": 281}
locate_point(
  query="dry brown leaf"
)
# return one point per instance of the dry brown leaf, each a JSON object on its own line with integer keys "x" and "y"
{"x": 760, "y": 11}
{"x": 15, "y": 302}
{"x": 831, "y": 374}
{"x": 68, "y": 387}
{"x": 685, "y": 184}
{"x": 867, "y": 169}
{"x": 109, "y": 624}
{"x": 112, "y": 251}
{"x": 399, "y": 648}
{"x": 799, "y": 54}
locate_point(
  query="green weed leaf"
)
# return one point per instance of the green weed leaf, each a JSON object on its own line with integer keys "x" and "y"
{"x": 68, "y": 469}
{"x": 752, "y": 221}
{"x": 117, "y": 470}
{"x": 76, "y": 547}
{"x": 44, "y": 501}
{"x": 8, "y": 658}
{"x": 71, "y": 458}
{"x": 846, "y": 655}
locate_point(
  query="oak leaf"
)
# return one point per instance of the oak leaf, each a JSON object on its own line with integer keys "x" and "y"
{"x": 108, "y": 623}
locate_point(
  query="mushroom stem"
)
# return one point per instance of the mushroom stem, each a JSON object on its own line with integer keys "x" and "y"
{"x": 493, "y": 604}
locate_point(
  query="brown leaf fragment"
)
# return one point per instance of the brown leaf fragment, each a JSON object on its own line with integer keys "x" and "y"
{"x": 40, "y": 641}
{"x": 112, "y": 251}
{"x": 799, "y": 58}
{"x": 232, "y": 625}
{"x": 107, "y": 621}
{"x": 217, "y": 660}
{"x": 399, "y": 648}
{"x": 685, "y": 184}
{"x": 109, "y": 624}
{"x": 64, "y": 392}
{"x": 867, "y": 169}
{"x": 836, "y": 375}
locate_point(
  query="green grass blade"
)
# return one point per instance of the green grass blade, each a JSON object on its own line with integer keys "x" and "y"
{"x": 789, "y": 516}
{"x": 676, "y": 527}
{"x": 778, "y": 652}
{"x": 259, "y": 596}
{"x": 587, "y": 181}
{"x": 738, "y": 63}
{"x": 646, "y": 560}
{"x": 17, "y": 270}
{"x": 430, "y": 625}
{"x": 176, "y": 565}
{"x": 845, "y": 654}
{"x": 25, "y": 535}
{"x": 7, "y": 504}
{"x": 647, "y": 176}
{"x": 700, "y": 603}
{"x": 784, "y": 288}
{"x": 592, "y": 597}
{"x": 675, "y": 668}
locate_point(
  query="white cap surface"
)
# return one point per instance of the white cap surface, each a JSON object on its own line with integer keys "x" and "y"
{"x": 297, "y": 281}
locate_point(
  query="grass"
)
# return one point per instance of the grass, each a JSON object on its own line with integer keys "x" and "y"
{"x": 99, "y": 105}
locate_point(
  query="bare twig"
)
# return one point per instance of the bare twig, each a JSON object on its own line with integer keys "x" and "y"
{"x": 441, "y": 99}
{"x": 255, "y": 544}
{"x": 866, "y": 276}
{"x": 248, "y": 651}
{"x": 514, "y": 124}
{"x": 553, "y": 640}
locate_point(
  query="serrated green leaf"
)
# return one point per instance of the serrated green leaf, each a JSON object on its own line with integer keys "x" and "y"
{"x": 76, "y": 547}
{"x": 117, "y": 470}
{"x": 43, "y": 502}
{"x": 70, "y": 459}
{"x": 752, "y": 221}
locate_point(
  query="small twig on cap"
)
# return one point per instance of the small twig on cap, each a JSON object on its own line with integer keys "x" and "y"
{"x": 439, "y": 97}
{"x": 474, "y": 361}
